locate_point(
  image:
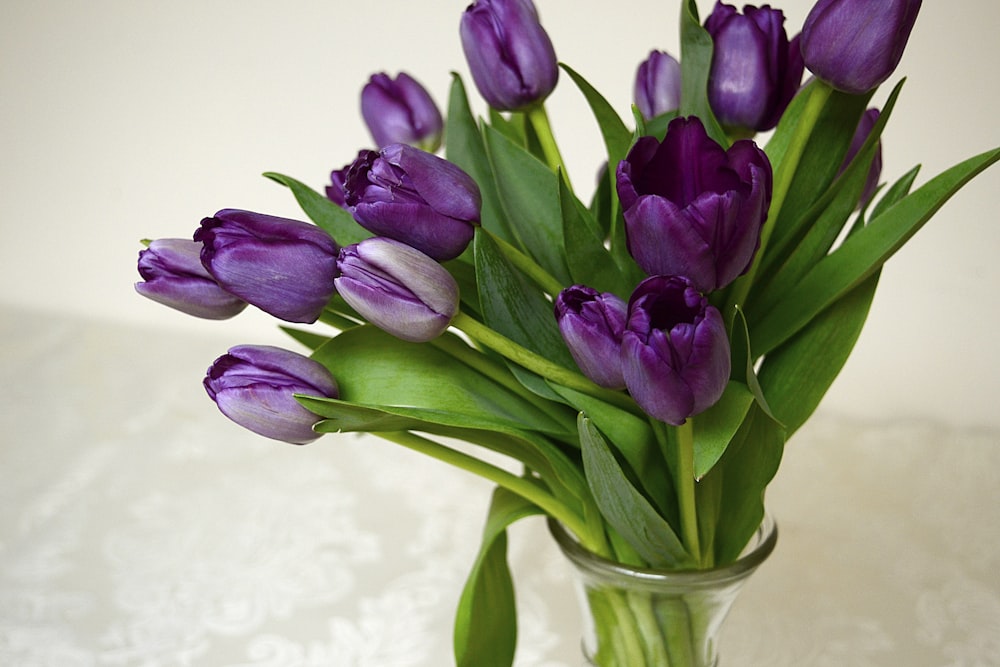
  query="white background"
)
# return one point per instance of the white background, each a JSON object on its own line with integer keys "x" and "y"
{"x": 122, "y": 120}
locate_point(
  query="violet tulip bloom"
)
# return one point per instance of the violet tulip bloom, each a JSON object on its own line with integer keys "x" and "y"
{"x": 675, "y": 352}
{"x": 415, "y": 197}
{"x": 175, "y": 277}
{"x": 509, "y": 53}
{"x": 397, "y": 288}
{"x": 657, "y": 87}
{"x": 854, "y": 45}
{"x": 254, "y": 385}
{"x": 401, "y": 111}
{"x": 755, "y": 69}
{"x": 692, "y": 208}
{"x": 335, "y": 191}
{"x": 867, "y": 122}
{"x": 282, "y": 266}
{"x": 592, "y": 323}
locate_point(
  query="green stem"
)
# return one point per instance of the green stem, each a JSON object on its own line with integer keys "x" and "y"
{"x": 523, "y": 487}
{"x": 819, "y": 93}
{"x": 539, "y": 120}
{"x": 526, "y": 264}
{"x": 539, "y": 364}
{"x": 685, "y": 489}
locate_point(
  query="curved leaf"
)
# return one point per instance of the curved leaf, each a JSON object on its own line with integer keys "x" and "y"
{"x": 337, "y": 222}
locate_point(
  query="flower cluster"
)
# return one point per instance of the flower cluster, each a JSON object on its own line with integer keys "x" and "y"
{"x": 644, "y": 351}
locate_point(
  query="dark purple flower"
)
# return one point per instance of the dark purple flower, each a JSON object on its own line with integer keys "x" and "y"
{"x": 657, "y": 87}
{"x": 691, "y": 207}
{"x": 397, "y": 288}
{"x": 415, "y": 197}
{"x": 755, "y": 69}
{"x": 254, "y": 385}
{"x": 174, "y": 276}
{"x": 509, "y": 53}
{"x": 335, "y": 191}
{"x": 592, "y": 323}
{"x": 401, "y": 111}
{"x": 284, "y": 267}
{"x": 865, "y": 126}
{"x": 854, "y": 45}
{"x": 675, "y": 352}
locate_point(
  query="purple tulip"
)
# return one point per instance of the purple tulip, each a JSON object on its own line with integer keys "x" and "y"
{"x": 254, "y": 385}
{"x": 401, "y": 111}
{"x": 865, "y": 126}
{"x": 675, "y": 352}
{"x": 335, "y": 191}
{"x": 174, "y": 276}
{"x": 415, "y": 197}
{"x": 509, "y": 53}
{"x": 657, "y": 87}
{"x": 397, "y": 288}
{"x": 755, "y": 69}
{"x": 284, "y": 267}
{"x": 691, "y": 207}
{"x": 592, "y": 323}
{"x": 854, "y": 45}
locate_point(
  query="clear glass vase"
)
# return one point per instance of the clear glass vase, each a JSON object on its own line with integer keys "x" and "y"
{"x": 653, "y": 618}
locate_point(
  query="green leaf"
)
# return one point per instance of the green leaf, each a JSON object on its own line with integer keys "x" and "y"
{"x": 617, "y": 137}
{"x": 486, "y": 620}
{"x": 862, "y": 254}
{"x": 696, "y": 63}
{"x": 624, "y": 507}
{"x": 337, "y": 222}
{"x": 897, "y": 191}
{"x": 308, "y": 338}
{"x": 798, "y": 374}
{"x": 590, "y": 263}
{"x": 529, "y": 194}
{"x": 514, "y": 307}
{"x": 376, "y": 369}
{"x": 464, "y": 147}
{"x": 714, "y": 428}
{"x": 734, "y": 488}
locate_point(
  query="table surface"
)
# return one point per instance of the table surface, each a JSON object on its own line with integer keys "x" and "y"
{"x": 140, "y": 527}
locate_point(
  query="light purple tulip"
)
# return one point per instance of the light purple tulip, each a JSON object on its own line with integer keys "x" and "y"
{"x": 854, "y": 45}
{"x": 592, "y": 323}
{"x": 657, "y": 87}
{"x": 254, "y": 385}
{"x": 401, "y": 111}
{"x": 415, "y": 197}
{"x": 282, "y": 266}
{"x": 692, "y": 208}
{"x": 509, "y": 53}
{"x": 175, "y": 277}
{"x": 397, "y": 288}
{"x": 675, "y": 351}
{"x": 755, "y": 69}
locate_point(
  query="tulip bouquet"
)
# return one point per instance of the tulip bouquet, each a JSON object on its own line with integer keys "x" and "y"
{"x": 640, "y": 352}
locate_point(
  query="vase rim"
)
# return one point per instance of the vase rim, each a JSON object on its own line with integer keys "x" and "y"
{"x": 754, "y": 553}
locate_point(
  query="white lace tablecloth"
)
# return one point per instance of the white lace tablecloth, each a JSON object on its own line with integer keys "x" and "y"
{"x": 139, "y": 527}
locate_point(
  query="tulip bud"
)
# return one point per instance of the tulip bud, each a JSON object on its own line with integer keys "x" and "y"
{"x": 865, "y": 126}
{"x": 509, "y": 53}
{"x": 397, "y": 288}
{"x": 854, "y": 45}
{"x": 415, "y": 197}
{"x": 401, "y": 112}
{"x": 657, "y": 87}
{"x": 592, "y": 324}
{"x": 675, "y": 352}
{"x": 284, "y": 267}
{"x": 692, "y": 208}
{"x": 254, "y": 385}
{"x": 755, "y": 70}
{"x": 174, "y": 276}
